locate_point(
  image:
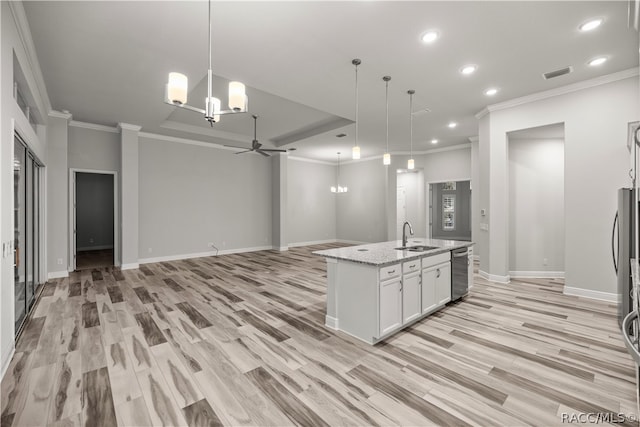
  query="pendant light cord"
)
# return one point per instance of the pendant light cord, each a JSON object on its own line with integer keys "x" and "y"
{"x": 411, "y": 92}
{"x": 356, "y": 141}
{"x": 210, "y": 72}
{"x": 386, "y": 95}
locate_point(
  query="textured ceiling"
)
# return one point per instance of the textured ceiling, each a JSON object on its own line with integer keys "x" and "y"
{"x": 107, "y": 62}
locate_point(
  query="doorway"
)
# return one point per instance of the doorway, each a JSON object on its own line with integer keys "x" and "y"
{"x": 27, "y": 230}
{"x": 450, "y": 210}
{"x": 94, "y": 216}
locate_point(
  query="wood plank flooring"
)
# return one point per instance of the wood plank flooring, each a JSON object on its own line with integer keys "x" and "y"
{"x": 240, "y": 340}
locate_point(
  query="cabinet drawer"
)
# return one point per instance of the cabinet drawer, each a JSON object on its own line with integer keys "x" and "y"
{"x": 432, "y": 260}
{"x": 410, "y": 266}
{"x": 390, "y": 271}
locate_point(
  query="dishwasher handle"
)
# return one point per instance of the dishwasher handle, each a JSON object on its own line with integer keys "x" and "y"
{"x": 460, "y": 254}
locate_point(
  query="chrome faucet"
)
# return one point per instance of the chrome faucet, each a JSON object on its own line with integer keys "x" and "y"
{"x": 404, "y": 233}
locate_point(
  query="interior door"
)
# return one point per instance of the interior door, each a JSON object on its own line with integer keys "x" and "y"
{"x": 74, "y": 235}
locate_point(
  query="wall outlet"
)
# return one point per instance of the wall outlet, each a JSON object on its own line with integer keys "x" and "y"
{"x": 484, "y": 226}
{"x": 150, "y": 250}
{"x": 59, "y": 261}
{"x": 545, "y": 261}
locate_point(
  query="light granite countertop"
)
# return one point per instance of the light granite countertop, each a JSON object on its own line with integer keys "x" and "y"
{"x": 385, "y": 253}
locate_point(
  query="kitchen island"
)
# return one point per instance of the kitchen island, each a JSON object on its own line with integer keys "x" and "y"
{"x": 375, "y": 290}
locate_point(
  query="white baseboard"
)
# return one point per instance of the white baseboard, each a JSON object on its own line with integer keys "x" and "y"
{"x": 280, "y": 248}
{"x": 331, "y": 322}
{"x": 311, "y": 243}
{"x": 588, "y": 293}
{"x": 495, "y": 277}
{"x": 94, "y": 248}
{"x": 202, "y": 254}
{"x": 536, "y": 274}
{"x": 130, "y": 266}
{"x": 6, "y": 359}
{"x": 57, "y": 274}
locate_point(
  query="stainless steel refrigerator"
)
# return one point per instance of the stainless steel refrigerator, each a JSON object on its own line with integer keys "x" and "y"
{"x": 623, "y": 249}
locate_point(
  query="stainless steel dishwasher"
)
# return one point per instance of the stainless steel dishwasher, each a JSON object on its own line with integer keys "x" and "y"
{"x": 460, "y": 273}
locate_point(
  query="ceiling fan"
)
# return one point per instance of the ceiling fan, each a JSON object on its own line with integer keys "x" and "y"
{"x": 255, "y": 145}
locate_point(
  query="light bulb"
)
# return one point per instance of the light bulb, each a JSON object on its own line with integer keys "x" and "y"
{"x": 177, "y": 88}
{"x": 355, "y": 153}
{"x": 411, "y": 164}
{"x": 237, "y": 96}
{"x": 386, "y": 159}
{"x": 333, "y": 189}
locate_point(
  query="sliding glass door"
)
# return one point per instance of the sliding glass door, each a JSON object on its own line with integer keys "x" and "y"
{"x": 26, "y": 173}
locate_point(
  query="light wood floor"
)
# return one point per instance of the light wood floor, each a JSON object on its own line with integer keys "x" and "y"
{"x": 239, "y": 340}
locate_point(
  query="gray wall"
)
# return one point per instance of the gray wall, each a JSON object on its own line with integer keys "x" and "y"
{"x": 361, "y": 211}
{"x": 536, "y": 206}
{"x": 462, "y": 217}
{"x": 93, "y": 149}
{"x": 190, "y": 195}
{"x": 94, "y": 211}
{"x": 596, "y": 163}
{"x": 311, "y": 206}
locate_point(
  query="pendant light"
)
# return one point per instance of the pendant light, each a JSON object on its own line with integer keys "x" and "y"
{"x": 411, "y": 164}
{"x": 339, "y": 188}
{"x": 355, "y": 152}
{"x": 177, "y": 88}
{"x": 386, "y": 158}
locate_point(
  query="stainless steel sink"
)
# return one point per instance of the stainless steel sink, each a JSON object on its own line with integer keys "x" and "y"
{"x": 417, "y": 248}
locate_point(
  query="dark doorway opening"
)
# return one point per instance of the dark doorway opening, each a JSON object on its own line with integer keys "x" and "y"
{"x": 94, "y": 220}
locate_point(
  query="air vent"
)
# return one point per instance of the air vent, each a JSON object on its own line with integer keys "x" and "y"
{"x": 341, "y": 135}
{"x": 557, "y": 73}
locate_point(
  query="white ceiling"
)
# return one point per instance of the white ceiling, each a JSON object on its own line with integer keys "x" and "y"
{"x": 107, "y": 62}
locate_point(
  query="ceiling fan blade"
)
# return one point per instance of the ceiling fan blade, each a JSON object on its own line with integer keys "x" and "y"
{"x": 238, "y": 147}
{"x": 262, "y": 152}
{"x": 274, "y": 150}
{"x": 245, "y": 151}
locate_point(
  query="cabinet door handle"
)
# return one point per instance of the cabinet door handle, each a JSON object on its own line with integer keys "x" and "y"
{"x": 391, "y": 272}
{"x": 438, "y": 273}
{"x": 412, "y": 266}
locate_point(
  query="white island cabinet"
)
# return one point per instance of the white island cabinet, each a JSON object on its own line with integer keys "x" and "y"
{"x": 375, "y": 290}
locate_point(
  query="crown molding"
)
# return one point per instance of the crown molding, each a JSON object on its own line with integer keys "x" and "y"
{"x": 482, "y": 113}
{"x": 304, "y": 159}
{"x": 60, "y": 115}
{"x": 562, "y": 90}
{"x": 24, "y": 33}
{"x": 149, "y": 135}
{"x": 127, "y": 126}
{"x": 206, "y": 132}
{"x": 93, "y": 126}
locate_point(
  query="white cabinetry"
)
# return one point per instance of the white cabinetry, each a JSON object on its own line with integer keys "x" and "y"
{"x": 436, "y": 281}
{"x": 411, "y": 291}
{"x": 390, "y": 305}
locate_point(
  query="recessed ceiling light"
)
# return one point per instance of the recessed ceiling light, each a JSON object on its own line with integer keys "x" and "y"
{"x": 468, "y": 69}
{"x": 452, "y": 124}
{"x": 590, "y": 25}
{"x": 490, "y": 92}
{"x": 434, "y": 141}
{"x": 598, "y": 61}
{"x": 430, "y": 36}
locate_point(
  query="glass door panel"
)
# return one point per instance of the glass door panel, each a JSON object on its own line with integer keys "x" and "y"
{"x": 19, "y": 195}
{"x": 29, "y": 235}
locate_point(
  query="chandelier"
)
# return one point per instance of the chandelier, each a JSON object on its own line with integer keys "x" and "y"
{"x": 177, "y": 89}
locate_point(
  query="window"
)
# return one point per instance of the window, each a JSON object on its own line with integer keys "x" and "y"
{"x": 448, "y": 212}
